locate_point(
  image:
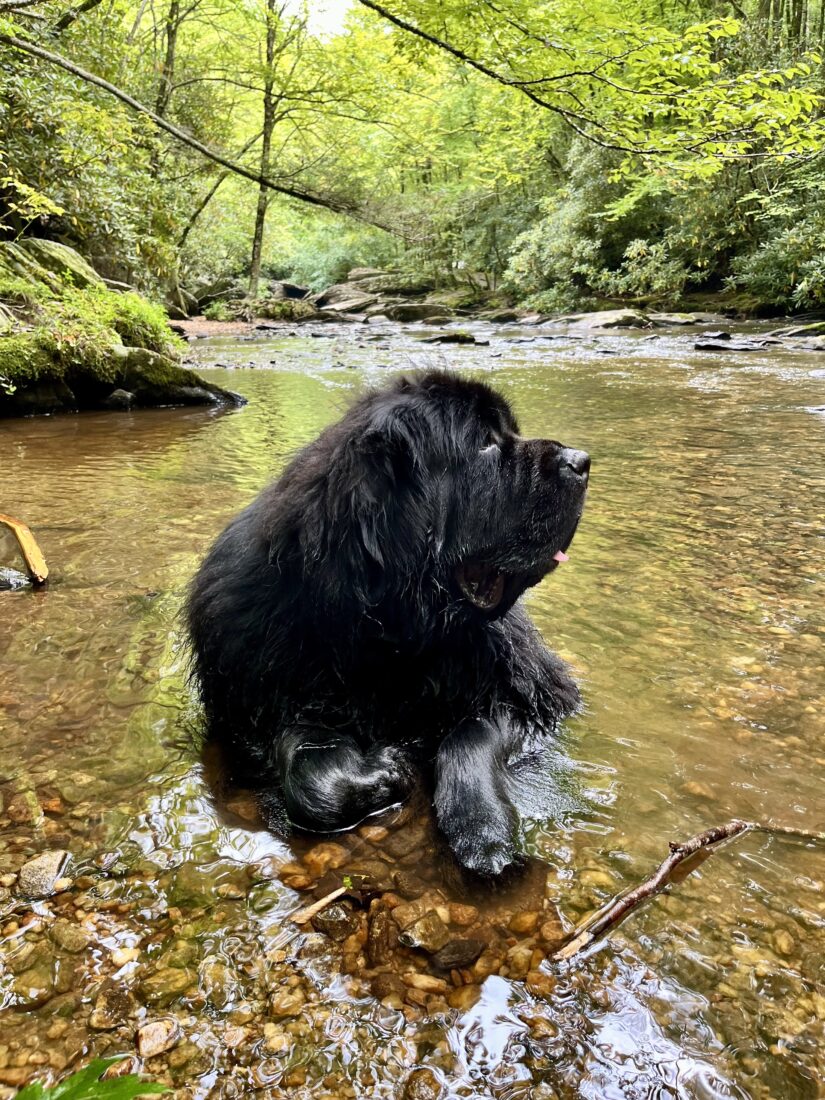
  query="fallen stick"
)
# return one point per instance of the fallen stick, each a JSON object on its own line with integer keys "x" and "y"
{"x": 690, "y": 853}
{"x": 32, "y": 554}
{"x": 700, "y": 846}
{"x": 309, "y": 911}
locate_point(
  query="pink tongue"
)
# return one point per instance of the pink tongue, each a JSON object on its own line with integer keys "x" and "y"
{"x": 561, "y": 556}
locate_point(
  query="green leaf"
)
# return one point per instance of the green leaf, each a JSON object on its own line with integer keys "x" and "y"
{"x": 86, "y": 1085}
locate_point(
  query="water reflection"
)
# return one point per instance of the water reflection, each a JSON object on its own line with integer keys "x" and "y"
{"x": 692, "y": 609}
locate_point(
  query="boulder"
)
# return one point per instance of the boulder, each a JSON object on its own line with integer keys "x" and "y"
{"x": 357, "y": 304}
{"x": 154, "y": 380}
{"x": 339, "y": 292}
{"x": 413, "y": 311}
{"x": 61, "y": 260}
{"x": 674, "y": 320}
{"x": 607, "y": 318}
{"x": 358, "y": 273}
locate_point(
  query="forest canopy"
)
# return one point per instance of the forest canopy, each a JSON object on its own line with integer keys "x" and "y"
{"x": 561, "y": 153}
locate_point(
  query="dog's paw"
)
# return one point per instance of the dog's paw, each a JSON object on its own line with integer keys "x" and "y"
{"x": 485, "y": 845}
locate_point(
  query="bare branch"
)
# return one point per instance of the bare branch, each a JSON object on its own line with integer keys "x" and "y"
{"x": 683, "y": 859}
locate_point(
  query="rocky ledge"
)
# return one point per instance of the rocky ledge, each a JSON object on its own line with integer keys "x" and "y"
{"x": 69, "y": 342}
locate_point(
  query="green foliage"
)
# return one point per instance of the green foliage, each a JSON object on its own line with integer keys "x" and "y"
{"x": 218, "y": 311}
{"x": 788, "y": 269}
{"x": 86, "y": 1084}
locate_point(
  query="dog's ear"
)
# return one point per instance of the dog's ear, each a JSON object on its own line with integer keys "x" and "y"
{"x": 377, "y": 503}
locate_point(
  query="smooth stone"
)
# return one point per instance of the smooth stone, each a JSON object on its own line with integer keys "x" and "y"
{"x": 422, "y": 1084}
{"x": 429, "y": 933}
{"x": 157, "y": 1036}
{"x": 37, "y": 878}
{"x": 71, "y": 937}
{"x": 458, "y": 953}
{"x": 336, "y": 921}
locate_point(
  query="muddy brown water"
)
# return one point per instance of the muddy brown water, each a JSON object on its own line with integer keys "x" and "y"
{"x": 693, "y": 610}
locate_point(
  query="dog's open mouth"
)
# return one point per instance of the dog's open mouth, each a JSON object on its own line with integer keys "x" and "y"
{"x": 485, "y": 586}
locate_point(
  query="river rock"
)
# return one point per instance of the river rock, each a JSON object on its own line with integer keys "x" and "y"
{"x": 422, "y": 1084}
{"x": 357, "y": 303}
{"x": 387, "y": 984}
{"x": 429, "y": 933}
{"x": 12, "y": 579}
{"x": 413, "y": 311}
{"x": 218, "y": 983}
{"x": 607, "y": 318}
{"x": 165, "y": 986}
{"x": 69, "y": 936}
{"x": 453, "y": 338}
{"x": 730, "y": 345}
{"x": 119, "y": 399}
{"x": 524, "y": 923}
{"x": 157, "y": 1036}
{"x": 674, "y": 320}
{"x": 113, "y": 1007}
{"x": 287, "y": 1002}
{"x": 458, "y": 953}
{"x": 381, "y": 937}
{"x": 156, "y": 380}
{"x": 37, "y": 878}
{"x": 336, "y": 921}
{"x": 815, "y": 328}
{"x": 324, "y": 857}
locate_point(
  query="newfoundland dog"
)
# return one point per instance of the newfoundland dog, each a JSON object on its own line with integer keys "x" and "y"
{"x": 358, "y": 625}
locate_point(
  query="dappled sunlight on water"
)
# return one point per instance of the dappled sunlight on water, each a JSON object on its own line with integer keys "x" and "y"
{"x": 693, "y": 611}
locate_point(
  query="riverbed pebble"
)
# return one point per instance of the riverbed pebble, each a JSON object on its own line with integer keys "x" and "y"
{"x": 113, "y": 1007}
{"x": 38, "y": 877}
{"x": 157, "y": 1036}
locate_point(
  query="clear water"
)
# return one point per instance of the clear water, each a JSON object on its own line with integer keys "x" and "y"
{"x": 693, "y": 610}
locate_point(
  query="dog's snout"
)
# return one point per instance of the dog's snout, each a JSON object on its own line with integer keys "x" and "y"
{"x": 577, "y": 461}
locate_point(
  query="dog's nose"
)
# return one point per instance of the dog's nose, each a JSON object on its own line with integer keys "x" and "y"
{"x": 578, "y": 461}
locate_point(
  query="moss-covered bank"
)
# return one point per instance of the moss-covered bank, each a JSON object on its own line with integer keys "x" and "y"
{"x": 68, "y": 341}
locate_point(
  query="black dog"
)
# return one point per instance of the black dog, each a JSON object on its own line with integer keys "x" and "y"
{"x": 358, "y": 623}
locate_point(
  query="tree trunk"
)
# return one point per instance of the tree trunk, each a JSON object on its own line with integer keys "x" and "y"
{"x": 167, "y": 71}
{"x": 266, "y": 146}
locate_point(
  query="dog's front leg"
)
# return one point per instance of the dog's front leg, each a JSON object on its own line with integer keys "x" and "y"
{"x": 472, "y": 806}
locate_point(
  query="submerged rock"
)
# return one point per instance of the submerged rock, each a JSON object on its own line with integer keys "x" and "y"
{"x": 11, "y": 579}
{"x": 429, "y": 933}
{"x": 458, "y": 953}
{"x": 422, "y": 1084}
{"x": 38, "y": 877}
{"x": 157, "y": 1036}
{"x": 336, "y": 921}
{"x": 113, "y": 1007}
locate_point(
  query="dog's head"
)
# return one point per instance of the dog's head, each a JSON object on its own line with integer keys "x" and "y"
{"x": 431, "y": 496}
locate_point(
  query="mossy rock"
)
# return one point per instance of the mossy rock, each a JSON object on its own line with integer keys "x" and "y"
{"x": 62, "y": 261}
{"x": 34, "y": 380}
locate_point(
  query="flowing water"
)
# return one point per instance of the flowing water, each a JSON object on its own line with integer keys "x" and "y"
{"x": 693, "y": 611}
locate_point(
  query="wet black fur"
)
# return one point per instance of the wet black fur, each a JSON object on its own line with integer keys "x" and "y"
{"x": 337, "y": 656}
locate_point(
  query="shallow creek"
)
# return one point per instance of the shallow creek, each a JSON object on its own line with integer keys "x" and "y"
{"x": 693, "y": 609}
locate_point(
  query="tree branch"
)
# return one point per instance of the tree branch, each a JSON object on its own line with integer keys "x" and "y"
{"x": 335, "y": 205}
{"x": 691, "y": 852}
{"x": 69, "y": 17}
